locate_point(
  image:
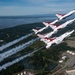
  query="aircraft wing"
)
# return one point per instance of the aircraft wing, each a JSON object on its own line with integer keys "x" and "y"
{"x": 46, "y": 23}
{"x": 35, "y": 30}
{"x": 65, "y": 15}
{"x": 59, "y": 15}
{"x": 47, "y": 40}
{"x": 53, "y": 26}
{"x": 49, "y": 24}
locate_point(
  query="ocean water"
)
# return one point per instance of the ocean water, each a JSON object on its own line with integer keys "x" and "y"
{"x": 11, "y": 21}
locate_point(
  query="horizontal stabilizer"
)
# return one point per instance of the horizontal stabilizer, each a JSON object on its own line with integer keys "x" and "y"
{"x": 59, "y": 15}
{"x": 46, "y": 23}
{"x": 51, "y": 39}
{"x": 53, "y": 26}
{"x": 35, "y": 30}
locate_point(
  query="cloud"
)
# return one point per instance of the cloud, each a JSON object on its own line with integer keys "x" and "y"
{"x": 20, "y": 10}
{"x": 28, "y": 7}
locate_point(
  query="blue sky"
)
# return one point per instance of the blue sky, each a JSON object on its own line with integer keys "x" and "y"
{"x": 32, "y": 7}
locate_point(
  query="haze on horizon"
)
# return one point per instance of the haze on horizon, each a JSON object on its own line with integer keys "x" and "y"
{"x": 33, "y": 7}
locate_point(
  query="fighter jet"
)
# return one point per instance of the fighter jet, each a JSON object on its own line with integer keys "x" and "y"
{"x": 57, "y": 27}
{"x": 46, "y": 26}
{"x": 39, "y": 30}
{"x": 41, "y": 36}
{"x": 60, "y": 17}
{"x": 63, "y": 16}
{"x": 56, "y": 40}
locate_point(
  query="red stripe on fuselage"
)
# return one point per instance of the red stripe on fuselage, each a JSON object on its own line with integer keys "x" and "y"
{"x": 51, "y": 39}
{"x": 61, "y": 14}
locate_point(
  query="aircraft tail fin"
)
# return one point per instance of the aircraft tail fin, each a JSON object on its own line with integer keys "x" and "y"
{"x": 53, "y": 26}
{"x": 46, "y": 24}
{"x": 59, "y": 15}
{"x": 35, "y": 30}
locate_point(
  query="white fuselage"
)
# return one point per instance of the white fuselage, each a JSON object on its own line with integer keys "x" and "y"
{"x": 47, "y": 24}
{"x": 55, "y": 21}
{"x": 59, "y": 27}
{"x": 59, "y": 39}
{"x": 64, "y": 24}
{"x": 48, "y": 35}
{"x": 66, "y": 15}
{"x": 40, "y": 30}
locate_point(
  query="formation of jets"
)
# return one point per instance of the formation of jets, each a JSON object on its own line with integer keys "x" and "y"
{"x": 55, "y": 28}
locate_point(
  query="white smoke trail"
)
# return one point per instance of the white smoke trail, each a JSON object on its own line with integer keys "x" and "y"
{"x": 17, "y": 60}
{"x": 16, "y": 49}
{"x": 14, "y": 42}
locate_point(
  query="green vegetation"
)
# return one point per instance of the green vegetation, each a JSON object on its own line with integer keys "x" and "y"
{"x": 13, "y": 33}
{"x": 13, "y": 69}
{"x": 43, "y": 61}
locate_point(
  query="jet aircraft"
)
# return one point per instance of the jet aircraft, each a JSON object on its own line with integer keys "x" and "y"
{"x": 56, "y": 40}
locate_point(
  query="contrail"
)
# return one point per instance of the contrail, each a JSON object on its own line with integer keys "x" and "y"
{"x": 14, "y": 42}
{"x": 17, "y": 60}
{"x": 16, "y": 49}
